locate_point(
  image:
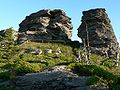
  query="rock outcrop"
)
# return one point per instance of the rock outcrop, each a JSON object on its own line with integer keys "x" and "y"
{"x": 96, "y": 26}
{"x": 56, "y": 78}
{"x": 46, "y": 25}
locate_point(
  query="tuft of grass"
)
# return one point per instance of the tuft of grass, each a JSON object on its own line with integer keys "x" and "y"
{"x": 90, "y": 70}
{"x": 23, "y": 67}
{"x": 93, "y": 70}
{"x": 26, "y": 67}
{"x": 95, "y": 80}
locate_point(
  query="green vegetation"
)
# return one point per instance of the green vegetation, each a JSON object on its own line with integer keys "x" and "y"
{"x": 23, "y": 62}
{"x": 9, "y": 34}
{"x": 97, "y": 72}
{"x": 95, "y": 80}
{"x": 4, "y": 75}
{"x": 15, "y": 61}
{"x": 7, "y": 46}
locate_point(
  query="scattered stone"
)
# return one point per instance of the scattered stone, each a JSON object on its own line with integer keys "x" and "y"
{"x": 22, "y": 38}
{"x": 58, "y": 51}
{"x": 34, "y": 51}
{"x": 96, "y": 23}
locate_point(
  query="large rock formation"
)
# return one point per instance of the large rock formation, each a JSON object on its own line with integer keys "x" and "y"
{"x": 46, "y": 25}
{"x": 101, "y": 37}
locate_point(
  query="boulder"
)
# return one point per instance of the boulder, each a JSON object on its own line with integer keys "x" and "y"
{"x": 46, "y": 25}
{"x": 96, "y": 26}
{"x": 48, "y": 51}
{"x": 34, "y": 51}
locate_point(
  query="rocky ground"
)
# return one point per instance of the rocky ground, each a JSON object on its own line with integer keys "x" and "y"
{"x": 56, "y": 78}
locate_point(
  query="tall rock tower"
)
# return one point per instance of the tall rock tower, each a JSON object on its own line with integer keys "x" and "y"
{"x": 98, "y": 32}
{"x": 46, "y": 25}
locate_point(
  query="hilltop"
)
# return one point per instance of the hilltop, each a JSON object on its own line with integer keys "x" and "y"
{"x": 41, "y": 55}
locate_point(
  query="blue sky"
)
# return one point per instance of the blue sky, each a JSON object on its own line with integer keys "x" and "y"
{"x": 14, "y": 11}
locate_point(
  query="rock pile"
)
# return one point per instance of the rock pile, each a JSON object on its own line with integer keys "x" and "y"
{"x": 46, "y": 25}
{"x": 101, "y": 37}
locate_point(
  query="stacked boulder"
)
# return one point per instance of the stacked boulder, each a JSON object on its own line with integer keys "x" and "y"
{"x": 46, "y": 25}
{"x": 96, "y": 30}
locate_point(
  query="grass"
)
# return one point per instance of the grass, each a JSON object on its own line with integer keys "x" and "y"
{"x": 95, "y": 80}
{"x": 29, "y": 63}
{"x": 112, "y": 80}
{"x": 101, "y": 69}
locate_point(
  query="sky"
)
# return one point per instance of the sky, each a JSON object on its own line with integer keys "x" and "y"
{"x": 12, "y": 12}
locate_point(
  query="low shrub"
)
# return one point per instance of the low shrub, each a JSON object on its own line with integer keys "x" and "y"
{"x": 26, "y": 67}
{"x": 91, "y": 70}
{"x": 93, "y": 80}
{"x": 96, "y": 58}
{"x": 23, "y": 67}
{"x": 96, "y": 80}
{"x": 108, "y": 63}
{"x": 4, "y": 75}
{"x": 115, "y": 87}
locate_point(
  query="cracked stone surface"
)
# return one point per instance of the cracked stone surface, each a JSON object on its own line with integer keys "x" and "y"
{"x": 56, "y": 78}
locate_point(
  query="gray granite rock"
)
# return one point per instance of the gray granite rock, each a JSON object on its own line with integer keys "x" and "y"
{"x": 46, "y": 25}
{"x": 100, "y": 31}
{"x": 55, "y": 78}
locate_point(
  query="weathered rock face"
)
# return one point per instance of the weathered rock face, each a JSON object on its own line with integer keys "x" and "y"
{"x": 56, "y": 78}
{"x": 46, "y": 25}
{"x": 100, "y": 32}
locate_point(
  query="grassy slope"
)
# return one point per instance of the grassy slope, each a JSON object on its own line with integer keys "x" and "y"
{"x": 67, "y": 56}
{"x": 26, "y": 62}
